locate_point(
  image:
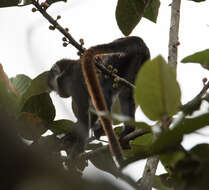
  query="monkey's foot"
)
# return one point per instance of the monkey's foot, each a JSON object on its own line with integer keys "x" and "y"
{"x": 123, "y": 142}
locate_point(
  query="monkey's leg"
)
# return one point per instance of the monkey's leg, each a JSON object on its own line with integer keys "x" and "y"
{"x": 127, "y": 106}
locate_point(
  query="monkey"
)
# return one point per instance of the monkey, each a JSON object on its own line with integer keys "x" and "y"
{"x": 78, "y": 79}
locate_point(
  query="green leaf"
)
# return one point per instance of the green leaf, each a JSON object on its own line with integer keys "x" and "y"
{"x": 8, "y": 101}
{"x": 40, "y": 105}
{"x": 144, "y": 140}
{"x": 27, "y": 2}
{"x": 201, "y": 151}
{"x": 103, "y": 161}
{"x": 171, "y": 138}
{"x": 190, "y": 107}
{"x": 136, "y": 154}
{"x": 163, "y": 182}
{"x": 38, "y": 86}
{"x": 168, "y": 141}
{"x": 190, "y": 125}
{"x": 51, "y": 144}
{"x": 170, "y": 159}
{"x": 62, "y": 126}
{"x": 31, "y": 126}
{"x": 139, "y": 147}
{"x": 118, "y": 130}
{"x": 201, "y": 57}
{"x": 151, "y": 12}
{"x": 128, "y": 14}
{"x": 192, "y": 171}
{"x": 21, "y": 82}
{"x": 9, "y": 3}
{"x": 139, "y": 125}
{"x": 157, "y": 91}
{"x": 94, "y": 146}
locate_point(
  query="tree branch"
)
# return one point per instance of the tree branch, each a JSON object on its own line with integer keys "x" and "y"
{"x": 149, "y": 172}
{"x": 195, "y": 103}
{"x": 146, "y": 182}
{"x": 136, "y": 133}
{"x": 152, "y": 162}
{"x": 107, "y": 72}
{"x": 147, "y": 179}
{"x": 174, "y": 31}
{"x": 58, "y": 26}
{"x": 117, "y": 172}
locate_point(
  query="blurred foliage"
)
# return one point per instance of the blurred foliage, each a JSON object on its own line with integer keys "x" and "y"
{"x": 163, "y": 182}
{"x": 34, "y": 112}
{"x": 62, "y": 126}
{"x": 27, "y": 112}
{"x": 9, "y": 3}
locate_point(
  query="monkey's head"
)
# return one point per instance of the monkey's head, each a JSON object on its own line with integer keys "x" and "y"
{"x": 59, "y": 77}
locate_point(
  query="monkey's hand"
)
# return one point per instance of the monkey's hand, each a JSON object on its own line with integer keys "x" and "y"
{"x": 98, "y": 131}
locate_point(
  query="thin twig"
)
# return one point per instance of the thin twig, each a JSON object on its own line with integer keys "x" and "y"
{"x": 130, "y": 136}
{"x": 136, "y": 133}
{"x": 204, "y": 90}
{"x": 195, "y": 103}
{"x": 58, "y": 26}
{"x": 113, "y": 75}
{"x": 190, "y": 105}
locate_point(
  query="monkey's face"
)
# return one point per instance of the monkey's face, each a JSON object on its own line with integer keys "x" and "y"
{"x": 56, "y": 80}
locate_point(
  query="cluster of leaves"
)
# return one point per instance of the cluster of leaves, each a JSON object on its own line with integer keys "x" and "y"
{"x": 23, "y": 167}
{"x": 36, "y": 107}
{"x": 158, "y": 94}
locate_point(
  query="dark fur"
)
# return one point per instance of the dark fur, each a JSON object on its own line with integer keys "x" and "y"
{"x": 126, "y": 55}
